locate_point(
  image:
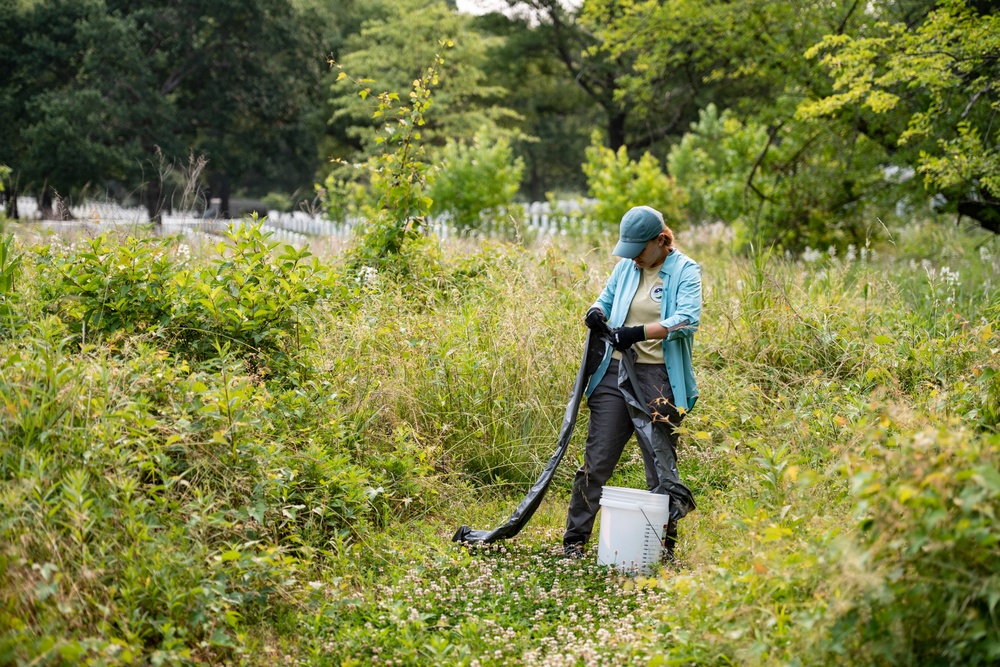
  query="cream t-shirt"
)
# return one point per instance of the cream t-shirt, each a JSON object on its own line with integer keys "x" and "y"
{"x": 645, "y": 309}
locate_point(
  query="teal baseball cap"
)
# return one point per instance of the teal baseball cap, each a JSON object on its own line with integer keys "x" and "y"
{"x": 639, "y": 226}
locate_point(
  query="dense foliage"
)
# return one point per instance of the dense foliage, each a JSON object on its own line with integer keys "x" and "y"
{"x": 232, "y": 452}
{"x": 219, "y": 449}
{"x": 830, "y": 108}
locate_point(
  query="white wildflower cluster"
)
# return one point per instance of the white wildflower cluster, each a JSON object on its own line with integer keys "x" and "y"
{"x": 810, "y": 256}
{"x": 943, "y": 282}
{"x": 950, "y": 280}
{"x": 368, "y": 275}
{"x": 183, "y": 251}
{"x": 580, "y": 613}
{"x": 852, "y": 255}
{"x": 948, "y": 277}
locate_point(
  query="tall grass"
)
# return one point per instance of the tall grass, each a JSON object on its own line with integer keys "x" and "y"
{"x": 263, "y": 457}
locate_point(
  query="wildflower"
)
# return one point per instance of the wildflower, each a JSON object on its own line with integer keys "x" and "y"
{"x": 948, "y": 276}
{"x": 810, "y": 256}
{"x": 367, "y": 275}
{"x": 852, "y": 254}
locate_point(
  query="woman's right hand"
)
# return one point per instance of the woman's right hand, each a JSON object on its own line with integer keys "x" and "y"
{"x": 595, "y": 320}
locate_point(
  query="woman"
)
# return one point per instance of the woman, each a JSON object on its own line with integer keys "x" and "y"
{"x": 652, "y": 303}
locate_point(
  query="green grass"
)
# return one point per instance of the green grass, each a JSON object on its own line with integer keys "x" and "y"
{"x": 250, "y": 457}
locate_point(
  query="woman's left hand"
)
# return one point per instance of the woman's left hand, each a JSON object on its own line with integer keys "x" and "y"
{"x": 623, "y": 338}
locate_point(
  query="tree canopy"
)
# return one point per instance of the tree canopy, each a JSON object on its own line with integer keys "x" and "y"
{"x": 793, "y": 121}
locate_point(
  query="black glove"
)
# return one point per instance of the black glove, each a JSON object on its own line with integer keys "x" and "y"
{"x": 623, "y": 338}
{"x": 595, "y": 319}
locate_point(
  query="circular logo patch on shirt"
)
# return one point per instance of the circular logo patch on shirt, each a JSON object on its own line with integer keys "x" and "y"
{"x": 656, "y": 293}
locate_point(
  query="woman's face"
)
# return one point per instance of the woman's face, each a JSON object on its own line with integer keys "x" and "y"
{"x": 652, "y": 255}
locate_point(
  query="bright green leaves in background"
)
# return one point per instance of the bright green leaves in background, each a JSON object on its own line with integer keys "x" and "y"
{"x": 475, "y": 179}
{"x": 941, "y": 76}
{"x": 249, "y": 299}
{"x": 618, "y": 183}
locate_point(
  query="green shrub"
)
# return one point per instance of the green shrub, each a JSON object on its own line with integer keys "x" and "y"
{"x": 104, "y": 285}
{"x": 251, "y": 298}
{"x": 475, "y": 179}
{"x": 10, "y": 265}
{"x": 398, "y": 177}
{"x": 248, "y": 297}
{"x": 619, "y": 183}
{"x": 278, "y": 201}
{"x": 787, "y": 186}
{"x": 711, "y": 164}
{"x": 929, "y": 504}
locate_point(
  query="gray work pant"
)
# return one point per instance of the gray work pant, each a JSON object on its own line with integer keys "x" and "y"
{"x": 609, "y": 429}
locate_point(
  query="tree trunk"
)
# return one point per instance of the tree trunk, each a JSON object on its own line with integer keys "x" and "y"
{"x": 45, "y": 204}
{"x": 616, "y": 128}
{"x": 218, "y": 188}
{"x": 154, "y": 201}
{"x": 12, "y": 211}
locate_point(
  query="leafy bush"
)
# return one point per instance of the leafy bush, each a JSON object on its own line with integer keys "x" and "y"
{"x": 250, "y": 298}
{"x": 398, "y": 177}
{"x": 619, "y": 183}
{"x": 929, "y": 504}
{"x": 247, "y": 297}
{"x": 786, "y": 186}
{"x": 712, "y": 161}
{"x": 106, "y": 285}
{"x": 10, "y": 263}
{"x": 278, "y": 201}
{"x": 475, "y": 179}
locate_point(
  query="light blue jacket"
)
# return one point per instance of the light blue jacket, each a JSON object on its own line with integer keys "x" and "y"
{"x": 680, "y": 312}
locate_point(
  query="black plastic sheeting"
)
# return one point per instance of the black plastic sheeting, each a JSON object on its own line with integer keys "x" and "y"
{"x": 681, "y": 500}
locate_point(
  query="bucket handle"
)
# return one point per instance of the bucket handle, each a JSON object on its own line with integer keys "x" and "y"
{"x": 650, "y": 524}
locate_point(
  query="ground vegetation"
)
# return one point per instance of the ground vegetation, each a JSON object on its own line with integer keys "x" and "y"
{"x": 241, "y": 453}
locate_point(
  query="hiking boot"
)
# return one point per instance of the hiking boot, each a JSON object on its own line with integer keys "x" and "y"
{"x": 573, "y": 550}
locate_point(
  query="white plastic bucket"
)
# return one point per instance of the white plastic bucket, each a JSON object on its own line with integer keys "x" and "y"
{"x": 633, "y": 523}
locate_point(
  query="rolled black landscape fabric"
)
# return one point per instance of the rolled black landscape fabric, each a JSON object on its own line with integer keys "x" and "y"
{"x": 594, "y": 345}
{"x": 681, "y": 500}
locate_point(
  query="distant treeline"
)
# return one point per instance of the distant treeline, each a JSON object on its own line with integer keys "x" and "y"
{"x": 790, "y": 119}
